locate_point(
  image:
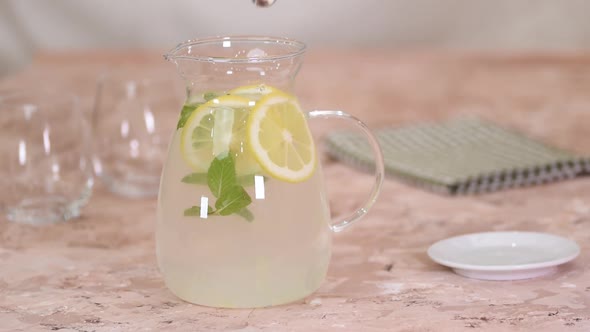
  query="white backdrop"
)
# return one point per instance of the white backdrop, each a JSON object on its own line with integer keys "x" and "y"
{"x": 28, "y": 25}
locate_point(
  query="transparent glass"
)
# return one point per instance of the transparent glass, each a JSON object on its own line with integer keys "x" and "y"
{"x": 132, "y": 129}
{"x": 46, "y": 171}
{"x": 243, "y": 221}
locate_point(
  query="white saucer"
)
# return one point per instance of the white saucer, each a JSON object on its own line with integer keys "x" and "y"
{"x": 504, "y": 255}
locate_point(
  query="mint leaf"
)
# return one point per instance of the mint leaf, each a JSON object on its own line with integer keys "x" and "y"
{"x": 232, "y": 200}
{"x": 188, "y": 109}
{"x": 196, "y": 211}
{"x": 222, "y": 181}
{"x": 195, "y": 178}
{"x": 221, "y": 176}
{"x": 210, "y": 95}
{"x": 246, "y": 214}
{"x": 248, "y": 179}
{"x": 186, "y": 112}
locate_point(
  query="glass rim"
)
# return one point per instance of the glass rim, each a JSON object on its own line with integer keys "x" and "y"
{"x": 118, "y": 78}
{"x": 298, "y": 49}
{"x": 42, "y": 95}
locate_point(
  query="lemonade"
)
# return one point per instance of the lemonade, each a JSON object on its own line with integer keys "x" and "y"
{"x": 242, "y": 218}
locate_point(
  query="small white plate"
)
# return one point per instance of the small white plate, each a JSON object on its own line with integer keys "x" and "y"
{"x": 504, "y": 255}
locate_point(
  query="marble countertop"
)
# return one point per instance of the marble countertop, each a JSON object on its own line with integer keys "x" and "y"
{"x": 98, "y": 273}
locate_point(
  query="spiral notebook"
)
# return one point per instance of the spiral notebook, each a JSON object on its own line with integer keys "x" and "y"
{"x": 460, "y": 156}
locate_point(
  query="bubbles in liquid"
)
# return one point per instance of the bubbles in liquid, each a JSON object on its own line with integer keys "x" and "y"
{"x": 261, "y": 88}
{"x": 263, "y": 3}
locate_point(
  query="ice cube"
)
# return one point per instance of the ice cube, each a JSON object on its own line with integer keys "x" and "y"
{"x": 256, "y": 53}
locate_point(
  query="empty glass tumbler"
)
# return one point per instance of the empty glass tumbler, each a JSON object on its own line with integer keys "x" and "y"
{"x": 46, "y": 173}
{"x": 132, "y": 126}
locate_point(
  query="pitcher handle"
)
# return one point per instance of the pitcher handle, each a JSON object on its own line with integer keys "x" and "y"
{"x": 379, "y": 166}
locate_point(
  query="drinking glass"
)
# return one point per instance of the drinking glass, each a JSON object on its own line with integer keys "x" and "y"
{"x": 46, "y": 173}
{"x": 132, "y": 126}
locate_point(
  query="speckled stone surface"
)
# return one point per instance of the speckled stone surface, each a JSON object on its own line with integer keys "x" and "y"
{"x": 99, "y": 273}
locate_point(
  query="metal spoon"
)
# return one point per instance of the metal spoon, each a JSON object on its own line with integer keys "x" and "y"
{"x": 263, "y": 3}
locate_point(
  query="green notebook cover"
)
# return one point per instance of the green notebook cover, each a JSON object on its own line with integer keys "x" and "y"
{"x": 460, "y": 156}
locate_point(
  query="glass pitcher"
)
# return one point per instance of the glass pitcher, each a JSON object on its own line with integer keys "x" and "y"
{"x": 243, "y": 220}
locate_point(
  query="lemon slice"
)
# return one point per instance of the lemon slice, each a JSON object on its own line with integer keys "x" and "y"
{"x": 215, "y": 128}
{"x": 280, "y": 139}
{"x": 253, "y": 92}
